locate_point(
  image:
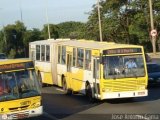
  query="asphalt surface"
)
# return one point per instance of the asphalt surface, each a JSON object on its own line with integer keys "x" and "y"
{"x": 57, "y": 106}
{"x": 77, "y": 107}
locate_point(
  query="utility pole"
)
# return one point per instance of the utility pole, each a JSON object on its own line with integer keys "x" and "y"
{"x": 20, "y": 10}
{"x": 153, "y": 36}
{"x": 49, "y": 35}
{"x": 99, "y": 21}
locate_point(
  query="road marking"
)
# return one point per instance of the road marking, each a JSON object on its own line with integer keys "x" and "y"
{"x": 50, "y": 116}
{"x": 59, "y": 89}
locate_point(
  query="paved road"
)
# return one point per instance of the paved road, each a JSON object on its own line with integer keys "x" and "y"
{"x": 76, "y": 107}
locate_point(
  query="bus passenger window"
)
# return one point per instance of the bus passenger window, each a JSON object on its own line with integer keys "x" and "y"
{"x": 63, "y": 60}
{"x": 74, "y": 56}
{"x": 80, "y": 57}
{"x": 47, "y": 53}
{"x": 59, "y": 54}
{"x": 43, "y": 53}
{"x": 88, "y": 59}
{"x": 37, "y": 52}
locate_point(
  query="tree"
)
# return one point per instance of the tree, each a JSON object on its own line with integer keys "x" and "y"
{"x": 53, "y": 31}
{"x": 30, "y": 36}
{"x": 124, "y": 21}
{"x": 71, "y": 30}
{"x": 13, "y": 38}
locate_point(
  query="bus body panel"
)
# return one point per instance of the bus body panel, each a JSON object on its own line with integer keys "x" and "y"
{"x": 15, "y": 109}
{"x": 61, "y": 71}
{"x": 45, "y": 71}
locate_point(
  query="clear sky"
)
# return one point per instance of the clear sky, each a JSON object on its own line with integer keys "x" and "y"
{"x": 34, "y": 11}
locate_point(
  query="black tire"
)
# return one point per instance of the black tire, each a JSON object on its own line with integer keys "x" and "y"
{"x": 65, "y": 87}
{"x": 89, "y": 93}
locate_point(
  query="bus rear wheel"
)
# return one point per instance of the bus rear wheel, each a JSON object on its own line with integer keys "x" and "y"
{"x": 65, "y": 88}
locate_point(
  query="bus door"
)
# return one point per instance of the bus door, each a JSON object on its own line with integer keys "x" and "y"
{"x": 69, "y": 74}
{"x": 96, "y": 76}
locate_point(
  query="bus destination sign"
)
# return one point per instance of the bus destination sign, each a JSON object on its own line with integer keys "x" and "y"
{"x": 122, "y": 51}
{"x": 15, "y": 66}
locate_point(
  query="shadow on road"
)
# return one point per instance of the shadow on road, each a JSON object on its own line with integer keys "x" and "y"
{"x": 61, "y": 105}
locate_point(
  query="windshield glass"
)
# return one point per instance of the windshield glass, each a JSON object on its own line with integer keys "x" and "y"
{"x": 123, "y": 66}
{"x": 18, "y": 85}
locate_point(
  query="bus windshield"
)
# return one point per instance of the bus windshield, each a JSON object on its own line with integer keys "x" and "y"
{"x": 18, "y": 85}
{"x": 123, "y": 66}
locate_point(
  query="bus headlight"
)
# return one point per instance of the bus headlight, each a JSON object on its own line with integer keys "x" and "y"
{"x": 142, "y": 87}
{"x": 4, "y": 117}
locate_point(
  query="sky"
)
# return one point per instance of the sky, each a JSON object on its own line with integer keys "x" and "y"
{"x": 34, "y": 11}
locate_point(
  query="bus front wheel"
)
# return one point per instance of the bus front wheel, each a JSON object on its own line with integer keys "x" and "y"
{"x": 89, "y": 93}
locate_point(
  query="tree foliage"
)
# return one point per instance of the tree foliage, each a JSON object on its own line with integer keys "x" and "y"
{"x": 71, "y": 29}
{"x": 53, "y": 31}
{"x": 123, "y": 21}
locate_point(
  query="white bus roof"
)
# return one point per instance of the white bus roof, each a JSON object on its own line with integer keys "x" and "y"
{"x": 84, "y": 43}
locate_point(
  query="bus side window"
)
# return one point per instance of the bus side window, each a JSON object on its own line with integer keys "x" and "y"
{"x": 42, "y": 52}
{"x": 59, "y": 54}
{"x": 63, "y": 60}
{"x": 37, "y": 52}
{"x": 74, "y": 57}
{"x": 88, "y": 60}
{"x": 80, "y": 57}
{"x": 47, "y": 53}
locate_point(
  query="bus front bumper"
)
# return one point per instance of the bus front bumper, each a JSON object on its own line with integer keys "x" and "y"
{"x": 22, "y": 114}
{"x": 127, "y": 94}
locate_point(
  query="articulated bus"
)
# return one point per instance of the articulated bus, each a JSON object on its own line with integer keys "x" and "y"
{"x": 20, "y": 95}
{"x": 96, "y": 69}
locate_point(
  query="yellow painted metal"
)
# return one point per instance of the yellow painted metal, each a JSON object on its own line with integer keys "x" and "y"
{"x": 95, "y": 52}
{"x": 47, "y": 78}
{"x": 20, "y": 104}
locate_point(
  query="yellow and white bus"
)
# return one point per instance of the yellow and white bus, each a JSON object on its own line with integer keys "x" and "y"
{"x": 97, "y": 69}
{"x": 20, "y": 95}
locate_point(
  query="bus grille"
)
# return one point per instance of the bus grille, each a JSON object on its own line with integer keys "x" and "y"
{"x": 122, "y": 85}
{"x": 20, "y": 115}
{"x": 18, "y": 108}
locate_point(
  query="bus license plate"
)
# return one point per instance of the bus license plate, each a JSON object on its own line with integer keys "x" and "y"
{"x": 141, "y": 93}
